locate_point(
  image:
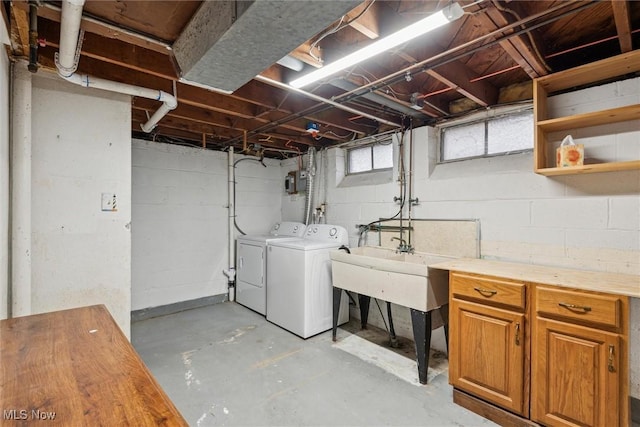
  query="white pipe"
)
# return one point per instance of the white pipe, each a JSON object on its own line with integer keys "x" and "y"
{"x": 230, "y": 273}
{"x": 169, "y": 101}
{"x": 67, "y": 62}
{"x": 4, "y": 189}
{"x": 21, "y": 192}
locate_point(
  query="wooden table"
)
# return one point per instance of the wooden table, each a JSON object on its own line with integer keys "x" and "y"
{"x": 76, "y": 368}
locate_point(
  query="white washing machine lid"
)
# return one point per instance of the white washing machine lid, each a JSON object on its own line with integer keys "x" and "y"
{"x": 264, "y": 238}
{"x": 306, "y": 244}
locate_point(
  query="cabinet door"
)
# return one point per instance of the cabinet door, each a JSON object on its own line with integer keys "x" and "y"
{"x": 486, "y": 354}
{"x": 576, "y": 375}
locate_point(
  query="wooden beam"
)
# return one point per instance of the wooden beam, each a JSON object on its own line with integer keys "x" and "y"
{"x": 302, "y": 53}
{"x": 369, "y": 22}
{"x": 623, "y": 24}
{"x": 114, "y": 52}
{"x": 516, "y": 47}
{"x": 20, "y": 31}
{"x": 459, "y": 76}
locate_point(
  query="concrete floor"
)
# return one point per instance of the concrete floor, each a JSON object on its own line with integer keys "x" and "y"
{"x": 225, "y": 365}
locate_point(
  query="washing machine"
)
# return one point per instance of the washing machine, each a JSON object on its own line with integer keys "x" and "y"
{"x": 300, "y": 291}
{"x": 251, "y": 263}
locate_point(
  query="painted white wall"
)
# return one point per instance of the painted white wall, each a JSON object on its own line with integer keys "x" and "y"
{"x": 81, "y": 149}
{"x": 4, "y": 176}
{"x": 584, "y": 222}
{"x": 180, "y": 238}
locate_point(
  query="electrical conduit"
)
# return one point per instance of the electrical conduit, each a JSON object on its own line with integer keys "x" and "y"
{"x": 311, "y": 171}
{"x": 67, "y": 63}
{"x": 231, "y": 271}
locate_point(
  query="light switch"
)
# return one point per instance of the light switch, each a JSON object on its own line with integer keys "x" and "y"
{"x": 109, "y": 202}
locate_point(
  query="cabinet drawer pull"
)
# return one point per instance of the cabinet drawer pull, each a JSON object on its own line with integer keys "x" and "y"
{"x": 574, "y": 307}
{"x": 518, "y": 333}
{"x": 485, "y": 292}
{"x": 610, "y": 364}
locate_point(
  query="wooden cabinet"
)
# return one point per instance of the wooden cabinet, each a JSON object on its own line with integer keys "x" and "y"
{"x": 595, "y": 72}
{"x": 487, "y": 340}
{"x": 577, "y": 364}
{"x": 548, "y": 354}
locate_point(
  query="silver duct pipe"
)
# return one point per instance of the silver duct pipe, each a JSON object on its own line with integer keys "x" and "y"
{"x": 311, "y": 172}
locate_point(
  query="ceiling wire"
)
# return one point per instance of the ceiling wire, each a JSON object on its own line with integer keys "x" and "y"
{"x": 528, "y": 33}
{"x": 336, "y": 29}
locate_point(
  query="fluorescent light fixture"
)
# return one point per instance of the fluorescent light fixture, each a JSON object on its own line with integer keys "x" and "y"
{"x": 431, "y": 22}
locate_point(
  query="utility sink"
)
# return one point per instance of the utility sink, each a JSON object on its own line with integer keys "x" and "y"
{"x": 400, "y": 278}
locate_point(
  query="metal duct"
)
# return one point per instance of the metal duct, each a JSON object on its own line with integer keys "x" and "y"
{"x": 227, "y": 43}
{"x": 379, "y": 99}
{"x": 311, "y": 172}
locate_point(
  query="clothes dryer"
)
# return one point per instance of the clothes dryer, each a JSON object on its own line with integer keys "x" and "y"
{"x": 300, "y": 291}
{"x": 251, "y": 263}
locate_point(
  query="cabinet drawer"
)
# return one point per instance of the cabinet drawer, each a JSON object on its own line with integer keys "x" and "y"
{"x": 598, "y": 309}
{"x": 489, "y": 290}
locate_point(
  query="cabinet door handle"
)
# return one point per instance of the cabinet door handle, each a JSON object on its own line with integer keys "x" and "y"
{"x": 486, "y": 292}
{"x": 610, "y": 364}
{"x": 574, "y": 307}
{"x": 517, "y": 333}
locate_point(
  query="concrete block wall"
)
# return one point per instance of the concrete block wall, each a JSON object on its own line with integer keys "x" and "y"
{"x": 180, "y": 216}
{"x": 80, "y": 254}
{"x": 577, "y": 221}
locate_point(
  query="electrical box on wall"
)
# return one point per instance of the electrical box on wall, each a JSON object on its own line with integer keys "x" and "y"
{"x": 295, "y": 182}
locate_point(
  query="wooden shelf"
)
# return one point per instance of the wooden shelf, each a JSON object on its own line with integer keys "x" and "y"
{"x": 614, "y": 115}
{"x": 593, "y": 73}
{"x": 594, "y": 168}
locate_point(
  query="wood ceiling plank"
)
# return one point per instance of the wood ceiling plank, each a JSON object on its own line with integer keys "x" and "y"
{"x": 90, "y": 25}
{"x": 456, "y": 75}
{"x": 623, "y": 24}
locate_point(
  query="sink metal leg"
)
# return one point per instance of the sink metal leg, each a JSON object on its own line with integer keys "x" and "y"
{"x": 337, "y": 297}
{"x": 364, "y": 301}
{"x": 421, "y": 322}
{"x": 444, "y": 313}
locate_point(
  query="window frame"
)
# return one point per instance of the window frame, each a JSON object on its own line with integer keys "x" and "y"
{"x": 485, "y": 120}
{"x": 386, "y": 141}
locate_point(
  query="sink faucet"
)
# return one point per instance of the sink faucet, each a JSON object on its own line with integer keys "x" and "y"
{"x": 403, "y": 247}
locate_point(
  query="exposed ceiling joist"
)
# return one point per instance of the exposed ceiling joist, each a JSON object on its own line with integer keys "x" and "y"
{"x": 517, "y": 47}
{"x": 623, "y": 24}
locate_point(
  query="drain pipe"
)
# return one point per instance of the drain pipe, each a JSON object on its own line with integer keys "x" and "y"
{"x": 21, "y": 192}
{"x": 67, "y": 62}
{"x": 311, "y": 172}
{"x": 231, "y": 271}
{"x": 33, "y": 36}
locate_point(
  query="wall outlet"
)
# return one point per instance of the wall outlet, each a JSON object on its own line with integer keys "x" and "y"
{"x": 109, "y": 202}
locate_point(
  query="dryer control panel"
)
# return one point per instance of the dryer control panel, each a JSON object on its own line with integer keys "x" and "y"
{"x": 327, "y": 233}
{"x": 293, "y": 229}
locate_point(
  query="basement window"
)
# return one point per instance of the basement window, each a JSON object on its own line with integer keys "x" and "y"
{"x": 370, "y": 158}
{"x": 499, "y": 135}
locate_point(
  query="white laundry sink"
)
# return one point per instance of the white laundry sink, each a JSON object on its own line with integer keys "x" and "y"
{"x": 400, "y": 278}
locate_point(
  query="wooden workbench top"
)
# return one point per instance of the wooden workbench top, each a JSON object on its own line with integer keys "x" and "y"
{"x": 76, "y": 368}
{"x": 613, "y": 283}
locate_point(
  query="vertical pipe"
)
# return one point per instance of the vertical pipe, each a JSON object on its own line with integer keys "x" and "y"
{"x": 232, "y": 213}
{"x": 311, "y": 171}
{"x": 33, "y": 36}
{"x": 5, "y": 86}
{"x": 21, "y": 192}
{"x": 410, "y": 197}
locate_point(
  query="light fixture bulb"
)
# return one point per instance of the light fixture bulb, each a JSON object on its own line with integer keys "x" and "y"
{"x": 423, "y": 26}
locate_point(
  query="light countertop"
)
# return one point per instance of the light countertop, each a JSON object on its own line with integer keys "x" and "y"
{"x": 613, "y": 283}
